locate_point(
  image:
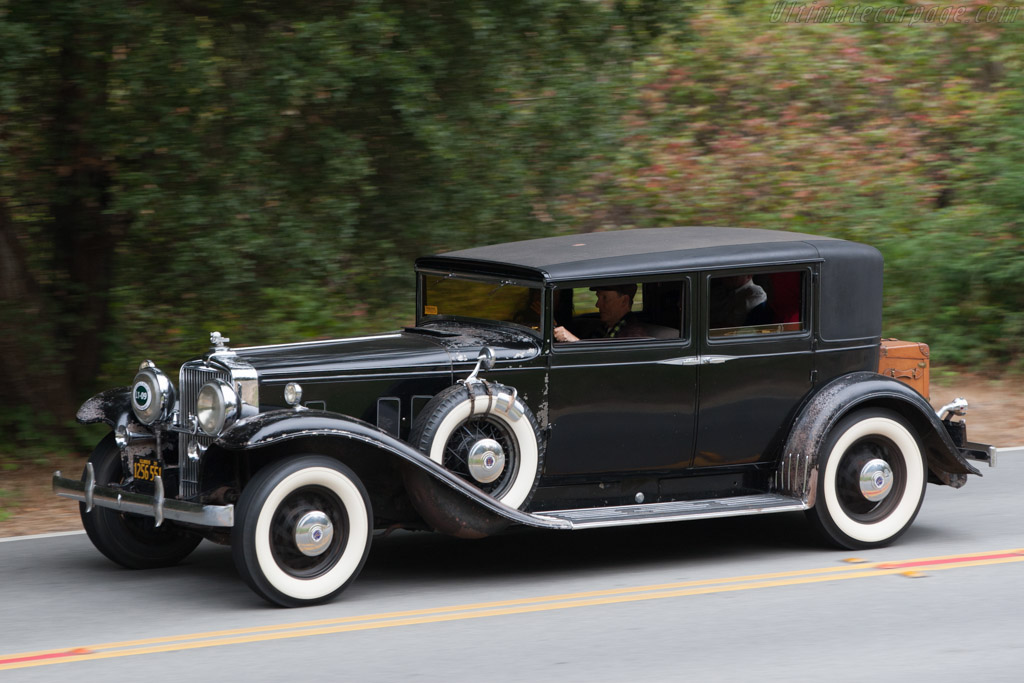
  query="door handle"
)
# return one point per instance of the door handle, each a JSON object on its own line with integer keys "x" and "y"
{"x": 697, "y": 360}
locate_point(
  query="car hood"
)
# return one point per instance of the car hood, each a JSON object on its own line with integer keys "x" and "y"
{"x": 412, "y": 350}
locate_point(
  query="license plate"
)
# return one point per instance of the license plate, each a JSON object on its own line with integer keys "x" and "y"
{"x": 147, "y": 470}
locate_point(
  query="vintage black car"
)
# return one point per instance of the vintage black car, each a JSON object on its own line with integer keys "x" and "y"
{"x": 567, "y": 383}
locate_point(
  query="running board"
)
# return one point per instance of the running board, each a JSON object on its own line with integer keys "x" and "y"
{"x": 653, "y": 513}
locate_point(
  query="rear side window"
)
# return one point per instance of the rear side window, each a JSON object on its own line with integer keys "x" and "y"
{"x": 747, "y": 304}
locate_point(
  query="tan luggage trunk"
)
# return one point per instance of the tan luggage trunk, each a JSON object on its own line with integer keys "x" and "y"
{"x": 905, "y": 361}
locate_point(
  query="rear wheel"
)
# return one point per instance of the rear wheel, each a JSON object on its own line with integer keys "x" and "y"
{"x": 302, "y": 530}
{"x": 132, "y": 541}
{"x": 871, "y": 480}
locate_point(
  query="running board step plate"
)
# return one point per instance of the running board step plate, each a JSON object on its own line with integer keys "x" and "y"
{"x": 652, "y": 513}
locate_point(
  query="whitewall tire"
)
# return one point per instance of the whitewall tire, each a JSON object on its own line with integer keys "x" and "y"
{"x": 490, "y": 439}
{"x": 871, "y": 480}
{"x": 302, "y": 530}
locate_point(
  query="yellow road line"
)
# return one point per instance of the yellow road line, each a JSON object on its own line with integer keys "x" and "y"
{"x": 498, "y": 608}
{"x": 469, "y": 607}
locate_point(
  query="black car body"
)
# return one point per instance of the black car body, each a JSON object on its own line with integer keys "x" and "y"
{"x": 743, "y": 380}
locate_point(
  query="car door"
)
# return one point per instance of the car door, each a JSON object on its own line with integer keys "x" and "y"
{"x": 624, "y": 405}
{"x": 756, "y": 361}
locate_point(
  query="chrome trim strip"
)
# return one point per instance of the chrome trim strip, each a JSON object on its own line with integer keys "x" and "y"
{"x": 148, "y": 506}
{"x": 607, "y": 365}
{"x": 716, "y": 360}
{"x": 844, "y": 348}
{"x": 768, "y": 354}
{"x": 689, "y": 360}
{"x": 318, "y": 342}
{"x": 282, "y": 377}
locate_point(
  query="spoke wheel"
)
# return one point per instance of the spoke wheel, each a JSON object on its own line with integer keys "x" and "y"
{"x": 484, "y": 452}
{"x": 493, "y": 443}
{"x": 486, "y": 436}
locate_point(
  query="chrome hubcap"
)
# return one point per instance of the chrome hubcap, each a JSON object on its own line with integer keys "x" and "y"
{"x": 313, "y": 533}
{"x": 876, "y": 479}
{"x": 486, "y": 460}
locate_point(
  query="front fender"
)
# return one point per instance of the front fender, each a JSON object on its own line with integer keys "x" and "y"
{"x": 278, "y": 426}
{"x": 798, "y": 467}
{"x": 112, "y": 406}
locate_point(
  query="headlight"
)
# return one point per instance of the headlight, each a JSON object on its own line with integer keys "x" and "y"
{"x": 216, "y": 406}
{"x": 152, "y": 394}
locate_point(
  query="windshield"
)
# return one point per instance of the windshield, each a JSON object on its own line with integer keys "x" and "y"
{"x": 448, "y": 296}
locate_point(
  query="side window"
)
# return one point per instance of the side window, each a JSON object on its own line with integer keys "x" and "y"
{"x": 617, "y": 310}
{"x": 756, "y": 303}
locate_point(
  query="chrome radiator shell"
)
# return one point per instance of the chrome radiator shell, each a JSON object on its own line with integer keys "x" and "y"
{"x": 192, "y": 442}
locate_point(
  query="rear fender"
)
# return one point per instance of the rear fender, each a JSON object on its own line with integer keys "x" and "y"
{"x": 798, "y": 468}
{"x": 280, "y": 426}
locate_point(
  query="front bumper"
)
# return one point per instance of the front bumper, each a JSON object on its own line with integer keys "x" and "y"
{"x": 155, "y": 506}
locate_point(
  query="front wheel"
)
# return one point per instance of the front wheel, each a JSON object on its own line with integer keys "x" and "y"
{"x": 302, "y": 530}
{"x": 132, "y": 541}
{"x": 871, "y": 480}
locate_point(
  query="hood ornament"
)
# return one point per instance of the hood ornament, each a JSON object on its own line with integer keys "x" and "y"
{"x": 217, "y": 342}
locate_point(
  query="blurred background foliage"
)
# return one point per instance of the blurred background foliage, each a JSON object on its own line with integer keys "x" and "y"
{"x": 271, "y": 169}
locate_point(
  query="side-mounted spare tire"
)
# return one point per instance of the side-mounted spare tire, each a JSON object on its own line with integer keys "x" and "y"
{"x": 485, "y": 434}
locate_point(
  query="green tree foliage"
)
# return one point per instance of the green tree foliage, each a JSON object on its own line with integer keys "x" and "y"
{"x": 270, "y": 169}
{"x": 908, "y": 136}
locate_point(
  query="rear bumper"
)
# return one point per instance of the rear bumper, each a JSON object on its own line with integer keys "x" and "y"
{"x": 982, "y": 452}
{"x": 155, "y": 506}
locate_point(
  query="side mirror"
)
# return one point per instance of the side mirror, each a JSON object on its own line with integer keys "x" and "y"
{"x": 485, "y": 360}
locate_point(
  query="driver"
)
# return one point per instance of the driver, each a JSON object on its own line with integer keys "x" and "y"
{"x": 615, "y": 304}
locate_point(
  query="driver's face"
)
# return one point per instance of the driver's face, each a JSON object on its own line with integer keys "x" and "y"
{"x": 612, "y": 306}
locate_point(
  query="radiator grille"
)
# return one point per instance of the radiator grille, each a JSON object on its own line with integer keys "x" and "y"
{"x": 192, "y": 378}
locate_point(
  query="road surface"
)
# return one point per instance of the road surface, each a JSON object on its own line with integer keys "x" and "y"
{"x": 755, "y": 598}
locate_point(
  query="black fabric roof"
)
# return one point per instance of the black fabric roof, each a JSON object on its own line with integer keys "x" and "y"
{"x": 626, "y": 252}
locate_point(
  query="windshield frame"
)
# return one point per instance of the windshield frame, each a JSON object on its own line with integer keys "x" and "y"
{"x": 497, "y": 280}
